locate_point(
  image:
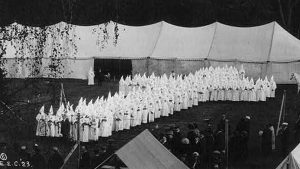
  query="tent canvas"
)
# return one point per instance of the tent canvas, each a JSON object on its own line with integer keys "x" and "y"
{"x": 146, "y": 152}
{"x": 292, "y": 161}
{"x": 162, "y": 47}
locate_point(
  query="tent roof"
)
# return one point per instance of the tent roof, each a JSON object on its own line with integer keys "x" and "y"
{"x": 184, "y": 43}
{"x": 144, "y": 151}
{"x": 269, "y": 42}
{"x": 132, "y": 42}
{"x": 243, "y": 44}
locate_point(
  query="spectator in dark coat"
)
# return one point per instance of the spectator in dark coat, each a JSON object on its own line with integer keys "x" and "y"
{"x": 244, "y": 145}
{"x": 100, "y": 77}
{"x": 297, "y": 131}
{"x": 177, "y": 136}
{"x": 220, "y": 140}
{"x": 65, "y": 128}
{"x": 234, "y": 147}
{"x": 37, "y": 160}
{"x": 195, "y": 161}
{"x": 191, "y": 135}
{"x": 170, "y": 141}
{"x": 177, "y": 140}
{"x": 244, "y": 125}
{"x": 85, "y": 159}
{"x": 266, "y": 145}
{"x": 55, "y": 160}
{"x": 97, "y": 159}
{"x": 200, "y": 148}
{"x": 221, "y": 124}
{"x": 24, "y": 155}
{"x": 284, "y": 138}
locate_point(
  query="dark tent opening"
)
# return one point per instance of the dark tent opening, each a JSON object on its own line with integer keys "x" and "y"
{"x": 115, "y": 67}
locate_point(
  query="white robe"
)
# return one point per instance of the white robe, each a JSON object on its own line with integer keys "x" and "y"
{"x": 84, "y": 137}
{"x": 165, "y": 108}
{"x": 41, "y": 125}
{"x": 133, "y": 116}
{"x": 93, "y": 130}
{"x": 151, "y": 113}
{"x": 145, "y": 114}
{"x": 126, "y": 119}
{"x": 91, "y": 78}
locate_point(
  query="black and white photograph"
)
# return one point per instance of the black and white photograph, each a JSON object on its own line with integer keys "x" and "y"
{"x": 149, "y": 84}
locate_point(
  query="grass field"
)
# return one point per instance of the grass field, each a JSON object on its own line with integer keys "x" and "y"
{"x": 16, "y": 131}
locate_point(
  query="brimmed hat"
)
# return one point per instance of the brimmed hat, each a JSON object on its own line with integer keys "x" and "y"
{"x": 195, "y": 154}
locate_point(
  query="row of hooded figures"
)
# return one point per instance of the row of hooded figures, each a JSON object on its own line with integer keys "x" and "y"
{"x": 143, "y": 99}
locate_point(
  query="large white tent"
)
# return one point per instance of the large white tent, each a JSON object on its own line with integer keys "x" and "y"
{"x": 161, "y": 47}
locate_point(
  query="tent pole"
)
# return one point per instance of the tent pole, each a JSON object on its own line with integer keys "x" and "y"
{"x": 175, "y": 66}
{"x": 78, "y": 140}
{"x": 147, "y": 66}
{"x": 280, "y": 113}
{"x": 104, "y": 161}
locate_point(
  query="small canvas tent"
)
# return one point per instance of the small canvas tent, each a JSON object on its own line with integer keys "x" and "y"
{"x": 292, "y": 161}
{"x": 146, "y": 152}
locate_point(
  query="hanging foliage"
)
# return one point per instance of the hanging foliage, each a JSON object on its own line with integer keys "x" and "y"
{"x": 3, "y": 87}
{"x": 33, "y": 44}
{"x": 103, "y": 34}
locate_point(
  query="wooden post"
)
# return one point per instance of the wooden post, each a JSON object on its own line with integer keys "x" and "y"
{"x": 78, "y": 140}
{"x": 226, "y": 141}
{"x": 147, "y": 66}
{"x": 281, "y": 110}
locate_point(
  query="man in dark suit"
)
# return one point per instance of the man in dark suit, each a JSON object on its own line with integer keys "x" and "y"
{"x": 284, "y": 137}
{"x": 266, "y": 144}
{"x": 100, "y": 77}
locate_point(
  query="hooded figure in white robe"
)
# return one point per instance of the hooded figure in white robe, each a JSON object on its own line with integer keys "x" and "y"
{"x": 91, "y": 77}
{"x": 126, "y": 117}
{"x": 260, "y": 94}
{"x": 185, "y": 98}
{"x": 119, "y": 124}
{"x": 221, "y": 91}
{"x": 133, "y": 115}
{"x": 235, "y": 91}
{"x": 296, "y": 76}
{"x": 190, "y": 96}
{"x": 139, "y": 113}
{"x": 41, "y": 123}
{"x": 122, "y": 85}
{"x": 165, "y": 107}
{"x": 94, "y": 122}
{"x": 252, "y": 89}
{"x": 58, "y": 120}
{"x": 273, "y": 87}
{"x": 73, "y": 128}
{"x": 104, "y": 126}
{"x": 195, "y": 96}
{"x": 243, "y": 90}
{"x": 177, "y": 100}
{"x": 171, "y": 103}
{"x": 85, "y": 128}
{"x": 151, "y": 111}
{"x": 267, "y": 87}
{"x": 50, "y": 122}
